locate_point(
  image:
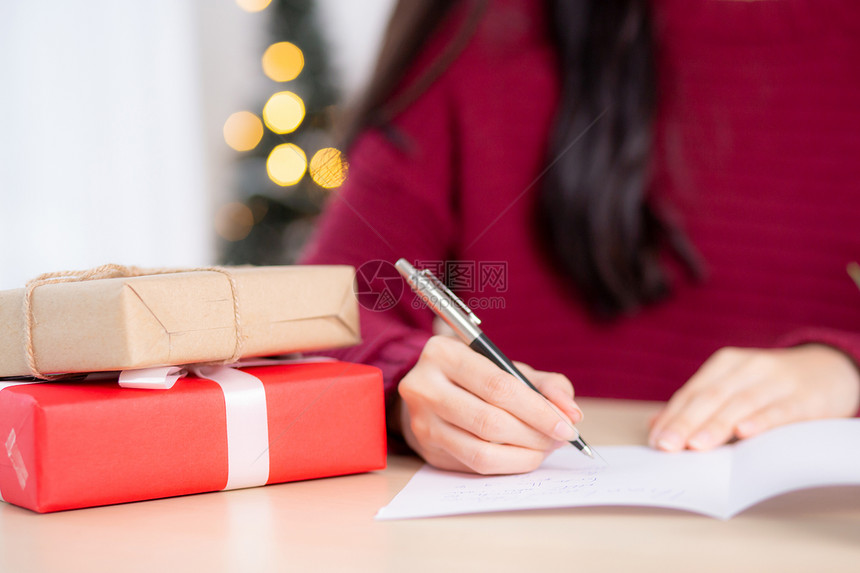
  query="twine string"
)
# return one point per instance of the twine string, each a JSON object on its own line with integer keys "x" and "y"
{"x": 115, "y": 271}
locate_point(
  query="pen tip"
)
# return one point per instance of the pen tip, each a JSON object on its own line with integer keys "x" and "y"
{"x": 587, "y": 451}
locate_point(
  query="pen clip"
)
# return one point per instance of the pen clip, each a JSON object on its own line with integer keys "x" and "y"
{"x": 453, "y": 297}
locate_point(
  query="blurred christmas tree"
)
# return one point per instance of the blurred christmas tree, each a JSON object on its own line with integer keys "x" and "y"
{"x": 288, "y": 165}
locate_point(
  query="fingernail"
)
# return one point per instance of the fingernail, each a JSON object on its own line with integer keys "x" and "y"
{"x": 702, "y": 441}
{"x": 669, "y": 441}
{"x": 576, "y": 415}
{"x": 563, "y": 431}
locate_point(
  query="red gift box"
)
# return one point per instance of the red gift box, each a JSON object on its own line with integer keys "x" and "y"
{"x": 68, "y": 445}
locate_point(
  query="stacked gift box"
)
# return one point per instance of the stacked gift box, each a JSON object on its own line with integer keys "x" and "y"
{"x": 187, "y": 417}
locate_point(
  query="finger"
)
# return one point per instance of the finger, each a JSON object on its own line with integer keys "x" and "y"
{"x": 678, "y": 428}
{"x": 526, "y": 369}
{"x": 722, "y": 426}
{"x": 718, "y": 365}
{"x": 488, "y": 458}
{"x": 753, "y": 386}
{"x": 544, "y": 380}
{"x": 776, "y": 413}
{"x": 415, "y": 424}
{"x": 697, "y": 400}
{"x": 556, "y": 388}
{"x": 461, "y": 451}
{"x": 478, "y": 375}
{"x": 817, "y": 382}
{"x": 463, "y": 409}
{"x": 713, "y": 410}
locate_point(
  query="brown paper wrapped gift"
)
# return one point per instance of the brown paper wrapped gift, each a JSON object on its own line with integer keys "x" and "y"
{"x": 177, "y": 317}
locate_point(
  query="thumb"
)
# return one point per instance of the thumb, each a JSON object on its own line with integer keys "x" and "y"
{"x": 557, "y": 388}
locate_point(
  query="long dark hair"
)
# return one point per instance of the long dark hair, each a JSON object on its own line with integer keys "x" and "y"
{"x": 598, "y": 224}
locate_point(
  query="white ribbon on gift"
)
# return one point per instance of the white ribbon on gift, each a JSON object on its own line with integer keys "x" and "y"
{"x": 247, "y": 425}
{"x": 245, "y": 402}
{"x": 164, "y": 377}
{"x": 247, "y": 414}
{"x": 9, "y": 446}
{"x": 159, "y": 378}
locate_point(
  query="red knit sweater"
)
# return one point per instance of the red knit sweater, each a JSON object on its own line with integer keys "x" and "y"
{"x": 757, "y": 149}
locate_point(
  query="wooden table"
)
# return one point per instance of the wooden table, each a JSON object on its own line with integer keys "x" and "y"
{"x": 328, "y": 525}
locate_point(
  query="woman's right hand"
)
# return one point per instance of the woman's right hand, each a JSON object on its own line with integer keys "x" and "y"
{"x": 461, "y": 412}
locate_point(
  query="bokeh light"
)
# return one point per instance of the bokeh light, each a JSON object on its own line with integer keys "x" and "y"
{"x": 233, "y": 221}
{"x": 243, "y": 130}
{"x": 328, "y": 168}
{"x": 286, "y": 164}
{"x": 284, "y": 112}
{"x": 283, "y": 61}
{"x": 253, "y": 5}
{"x": 259, "y": 207}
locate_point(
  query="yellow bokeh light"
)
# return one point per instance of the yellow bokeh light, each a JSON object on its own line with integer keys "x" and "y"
{"x": 286, "y": 164}
{"x": 328, "y": 168}
{"x": 283, "y": 61}
{"x": 284, "y": 112}
{"x": 243, "y": 131}
{"x": 233, "y": 221}
{"x": 253, "y": 5}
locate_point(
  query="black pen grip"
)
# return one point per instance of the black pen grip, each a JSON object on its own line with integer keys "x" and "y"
{"x": 485, "y": 346}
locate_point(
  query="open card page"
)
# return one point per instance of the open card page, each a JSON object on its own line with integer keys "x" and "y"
{"x": 719, "y": 483}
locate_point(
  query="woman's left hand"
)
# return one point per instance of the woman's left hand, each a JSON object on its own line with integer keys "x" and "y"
{"x": 741, "y": 392}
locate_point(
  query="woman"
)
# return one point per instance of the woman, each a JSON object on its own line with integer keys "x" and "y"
{"x": 654, "y": 199}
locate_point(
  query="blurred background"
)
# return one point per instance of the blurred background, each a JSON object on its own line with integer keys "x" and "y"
{"x": 172, "y": 132}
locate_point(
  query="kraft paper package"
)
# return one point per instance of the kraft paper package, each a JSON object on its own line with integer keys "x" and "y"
{"x": 82, "y": 323}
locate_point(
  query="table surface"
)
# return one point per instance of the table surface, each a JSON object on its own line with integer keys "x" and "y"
{"x": 328, "y": 525}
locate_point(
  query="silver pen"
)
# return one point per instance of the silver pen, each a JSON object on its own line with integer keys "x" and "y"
{"x": 463, "y": 321}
